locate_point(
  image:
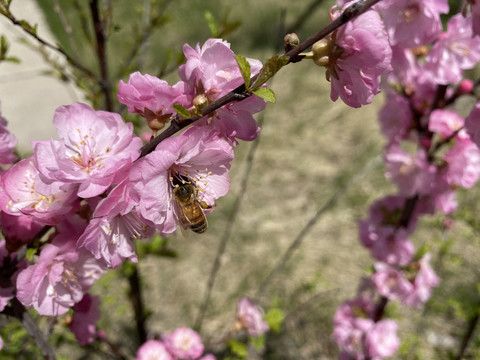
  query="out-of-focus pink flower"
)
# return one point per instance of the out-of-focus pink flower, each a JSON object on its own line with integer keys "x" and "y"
{"x": 85, "y": 316}
{"x": 95, "y": 147}
{"x": 62, "y": 274}
{"x": 472, "y": 124}
{"x": 152, "y": 98}
{"x": 211, "y": 71}
{"x": 382, "y": 340}
{"x": 412, "y": 174}
{"x": 7, "y": 143}
{"x": 184, "y": 343}
{"x": 395, "y": 117}
{"x": 113, "y": 226}
{"x": 197, "y": 155}
{"x": 455, "y": 51}
{"x": 23, "y": 192}
{"x": 463, "y": 161}
{"x": 391, "y": 282}
{"x": 412, "y": 23}
{"x": 358, "y": 54}
{"x": 424, "y": 281}
{"x": 250, "y": 318}
{"x": 446, "y": 123}
{"x": 153, "y": 350}
{"x": 19, "y": 229}
{"x": 351, "y": 322}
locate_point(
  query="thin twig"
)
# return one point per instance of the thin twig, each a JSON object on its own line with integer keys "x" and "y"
{"x": 177, "y": 124}
{"x": 67, "y": 27}
{"x": 17, "y": 310}
{"x": 55, "y": 48}
{"x": 306, "y": 229}
{"x": 102, "y": 54}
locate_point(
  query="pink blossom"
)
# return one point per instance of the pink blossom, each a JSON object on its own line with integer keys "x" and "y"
{"x": 390, "y": 282}
{"x": 395, "y": 117}
{"x": 455, "y": 51}
{"x": 184, "y": 343}
{"x": 250, "y": 317}
{"x": 351, "y": 322}
{"x": 381, "y": 340}
{"x": 86, "y": 314}
{"x": 19, "y": 229}
{"x": 358, "y": 54}
{"x": 446, "y": 123}
{"x": 463, "y": 161}
{"x": 412, "y": 23}
{"x": 391, "y": 246}
{"x": 23, "y": 192}
{"x": 197, "y": 155}
{"x": 7, "y": 143}
{"x": 113, "y": 226}
{"x": 412, "y": 174}
{"x": 211, "y": 71}
{"x": 95, "y": 147}
{"x": 425, "y": 280}
{"x": 62, "y": 274}
{"x": 152, "y": 98}
{"x": 472, "y": 124}
{"x": 153, "y": 350}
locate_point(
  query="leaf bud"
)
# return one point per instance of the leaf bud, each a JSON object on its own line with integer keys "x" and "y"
{"x": 321, "y": 51}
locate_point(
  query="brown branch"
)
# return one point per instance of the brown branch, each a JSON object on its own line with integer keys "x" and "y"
{"x": 137, "y": 304}
{"x": 102, "y": 54}
{"x": 238, "y": 93}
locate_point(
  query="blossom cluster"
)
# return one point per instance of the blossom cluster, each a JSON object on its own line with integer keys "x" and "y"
{"x": 185, "y": 343}
{"x": 431, "y": 151}
{"x": 94, "y": 196}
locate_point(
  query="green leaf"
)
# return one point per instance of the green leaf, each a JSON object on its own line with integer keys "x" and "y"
{"x": 269, "y": 69}
{"x": 258, "y": 342}
{"x": 266, "y": 94}
{"x": 211, "y": 22}
{"x": 274, "y": 318}
{"x": 181, "y": 110}
{"x": 13, "y": 59}
{"x": 238, "y": 348}
{"x": 30, "y": 254}
{"x": 244, "y": 67}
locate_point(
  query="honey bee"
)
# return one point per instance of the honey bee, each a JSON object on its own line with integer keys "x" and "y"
{"x": 190, "y": 209}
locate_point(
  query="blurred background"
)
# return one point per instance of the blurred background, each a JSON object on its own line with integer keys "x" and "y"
{"x": 286, "y": 234}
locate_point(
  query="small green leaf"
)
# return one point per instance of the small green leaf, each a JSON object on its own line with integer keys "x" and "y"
{"x": 211, "y": 22}
{"x": 269, "y": 69}
{"x": 30, "y": 254}
{"x": 266, "y": 94}
{"x": 238, "y": 348}
{"x": 258, "y": 342}
{"x": 274, "y": 318}
{"x": 181, "y": 110}
{"x": 244, "y": 67}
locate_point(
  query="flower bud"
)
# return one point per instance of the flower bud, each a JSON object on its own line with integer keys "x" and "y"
{"x": 321, "y": 50}
{"x": 290, "y": 41}
{"x": 200, "y": 100}
{"x": 465, "y": 87}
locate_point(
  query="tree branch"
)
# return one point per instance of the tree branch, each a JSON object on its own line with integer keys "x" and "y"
{"x": 102, "y": 54}
{"x": 177, "y": 124}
